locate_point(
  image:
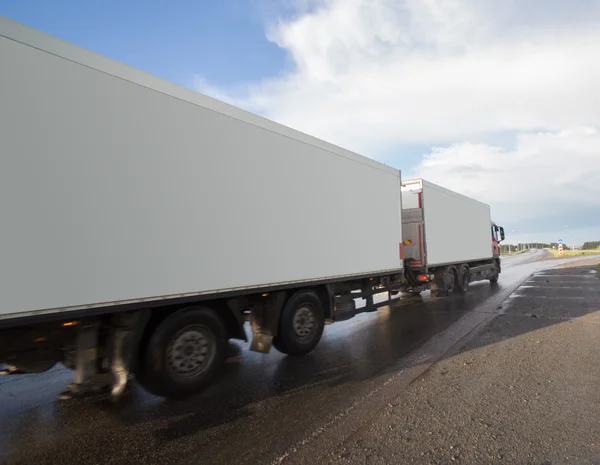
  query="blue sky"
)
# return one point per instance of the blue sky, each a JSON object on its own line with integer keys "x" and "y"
{"x": 222, "y": 40}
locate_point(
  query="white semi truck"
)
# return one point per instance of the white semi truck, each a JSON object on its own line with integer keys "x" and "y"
{"x": 142, "y": 224}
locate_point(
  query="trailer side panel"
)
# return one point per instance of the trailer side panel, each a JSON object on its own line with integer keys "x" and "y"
{"x": 112, "y": 190}
{"x": 457, "y": 228}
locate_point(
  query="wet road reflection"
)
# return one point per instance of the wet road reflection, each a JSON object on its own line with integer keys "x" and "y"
{"x": 260, "y": 405}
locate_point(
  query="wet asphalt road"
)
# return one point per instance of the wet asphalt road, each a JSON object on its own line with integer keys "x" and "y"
{"x": 522, "y": 390}
{"x": 264, "y": 408}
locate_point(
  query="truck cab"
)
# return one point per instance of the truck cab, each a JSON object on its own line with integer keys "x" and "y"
{"x": 497, "y": 237}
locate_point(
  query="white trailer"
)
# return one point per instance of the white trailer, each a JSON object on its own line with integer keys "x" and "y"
{"x": 143, "y": 222}
{"x": 449, "y": 240}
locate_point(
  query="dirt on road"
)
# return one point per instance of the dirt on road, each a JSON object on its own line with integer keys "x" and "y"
{"x": 525, "y": 389}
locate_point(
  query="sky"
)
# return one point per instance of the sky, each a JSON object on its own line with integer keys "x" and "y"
{"x": 496, "y": 100}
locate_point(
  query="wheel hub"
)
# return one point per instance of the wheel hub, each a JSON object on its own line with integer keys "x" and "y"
{"x": 304, "y": 322}
{"x": 191, "y": 351}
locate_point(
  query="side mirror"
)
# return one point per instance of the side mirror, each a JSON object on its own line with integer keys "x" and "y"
{"x": 501, "y": 234}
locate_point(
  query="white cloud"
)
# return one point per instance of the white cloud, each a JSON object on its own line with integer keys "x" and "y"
{"x": 550, "y": 180}
{"x": 377, "y": 72}
{"x": 371, "y": 75}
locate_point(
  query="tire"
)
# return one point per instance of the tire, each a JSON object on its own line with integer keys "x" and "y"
{"x": 450, "y": 279}
{"x": 279, "y": 345}
{"x": 494, "y": 280}
{"x": 464, "y": 280}
{"x": 183, "y": 353}
{"x": 301, "y": 324}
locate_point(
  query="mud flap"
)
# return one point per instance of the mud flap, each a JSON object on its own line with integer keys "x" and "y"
{"x": 265, "y": 321}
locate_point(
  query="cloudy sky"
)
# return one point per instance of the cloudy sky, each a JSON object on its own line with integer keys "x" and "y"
{"x": 497, "y": 100}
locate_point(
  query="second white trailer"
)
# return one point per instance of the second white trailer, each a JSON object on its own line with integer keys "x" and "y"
{"x": 449, "y": 239}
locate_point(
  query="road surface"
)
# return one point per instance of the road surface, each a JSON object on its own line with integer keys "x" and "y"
{"x": 522, "y": 390}
{"x": 264, "y": 408}
{"x": 526, "y": 257}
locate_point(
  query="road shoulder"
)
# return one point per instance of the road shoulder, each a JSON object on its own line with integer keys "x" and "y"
{"x": 522, "y": 390}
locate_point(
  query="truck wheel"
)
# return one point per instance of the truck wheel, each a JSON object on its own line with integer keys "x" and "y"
{"x": 278, "y": 344}
{"x": 301, "y": 324}
{"x": 464, "y": 279}
{"x": 450, "y": 278}
{"x": 494, "y": 279}
{"x": 183, "y": 353}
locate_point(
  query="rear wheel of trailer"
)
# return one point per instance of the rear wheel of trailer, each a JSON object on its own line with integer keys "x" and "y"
{"x": 183, "y": 353}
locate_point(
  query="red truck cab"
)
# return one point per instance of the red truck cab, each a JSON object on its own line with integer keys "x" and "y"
{"x": 497, "y": 237}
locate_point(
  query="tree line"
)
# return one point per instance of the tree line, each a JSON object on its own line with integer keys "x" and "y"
{"x": 509, "y": 248}
{"x": 593, "y": 245}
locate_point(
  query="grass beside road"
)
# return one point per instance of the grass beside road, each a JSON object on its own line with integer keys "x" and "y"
{"x": 573, "y": 253}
